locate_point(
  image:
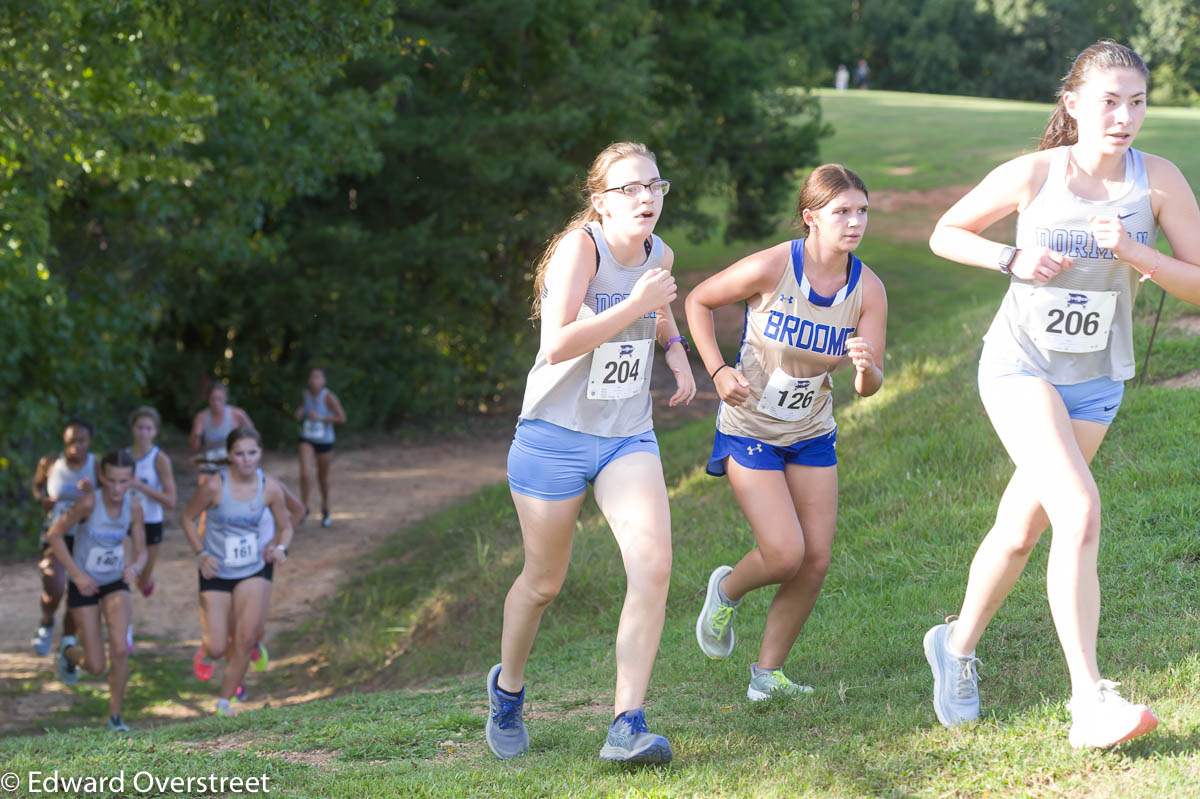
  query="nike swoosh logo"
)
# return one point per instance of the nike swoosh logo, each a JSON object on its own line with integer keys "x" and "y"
{"x": 1131, "y": 213}
{"x": 1108, "y": 408}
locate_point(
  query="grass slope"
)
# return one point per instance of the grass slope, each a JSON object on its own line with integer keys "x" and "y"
{"x": 920, "y": 474}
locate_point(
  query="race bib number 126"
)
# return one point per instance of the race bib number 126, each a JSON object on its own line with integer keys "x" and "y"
{"x": 619, "y": 369}
{"x": 788, "y": 398}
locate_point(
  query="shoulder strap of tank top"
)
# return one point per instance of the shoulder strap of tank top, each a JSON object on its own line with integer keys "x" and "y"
{"x": 1141, "y": 179}
{"x": 647, "y": 244}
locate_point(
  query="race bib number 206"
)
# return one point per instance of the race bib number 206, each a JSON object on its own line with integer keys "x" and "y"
{"x": 619, "y": 369}
{"x": 1071, "y": 321}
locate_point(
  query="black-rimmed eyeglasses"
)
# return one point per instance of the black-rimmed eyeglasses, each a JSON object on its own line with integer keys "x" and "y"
{"x": 657, "y": 188}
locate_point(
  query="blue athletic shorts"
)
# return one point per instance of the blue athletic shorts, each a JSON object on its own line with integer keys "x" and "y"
{"x": 551, "y": 462}
{"x": 754, "y": 454}
{"x": 1092, "y": 401}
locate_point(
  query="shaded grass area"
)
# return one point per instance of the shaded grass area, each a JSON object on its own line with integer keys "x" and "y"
{"x": 920, "y": 473}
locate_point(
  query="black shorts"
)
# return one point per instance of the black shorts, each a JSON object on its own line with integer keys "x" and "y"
{"x": 227, "y": 585}
{"x": 78, "y": 600}
{"x": 269, "y": 572}
{"x": 320, "y": 449}
{"x": 153, "y": 533}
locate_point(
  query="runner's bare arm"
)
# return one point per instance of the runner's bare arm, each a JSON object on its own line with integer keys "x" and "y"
{"x": 273, "y": 497}
{"x": 676, "y": 357}
{"x": 748, "y": 279}
{"x": 1178, "y": 215}
{"x": 866, "y": 349}
{"x": 56, "y": 536}
{"x": 570, "y": 271}
{"x": 241, "y": 418}
{"x": 337, "y": 415}
{"x": 39, "y": 482}
{"x": 137, "y": 535}
{"x": 166, "y": 496}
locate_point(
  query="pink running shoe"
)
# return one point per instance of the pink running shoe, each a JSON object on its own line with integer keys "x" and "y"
{"x": 202, "y": 670}
{"x": 148, "y": 590}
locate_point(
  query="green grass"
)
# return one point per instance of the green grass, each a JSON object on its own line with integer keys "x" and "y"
{"x": 920, "y": 473}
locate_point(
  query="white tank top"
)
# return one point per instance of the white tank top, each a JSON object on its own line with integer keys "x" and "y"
{"x": 313, "y": 430}
{"x": 215, "y": 435}
{"x": 790, "y": 345}
{"x": 145, "y": 469}
{"x": 1079, "y": 326}
{"x": 99, "y": 547}
{"x": 231, "y": 530}
{"x": 605, "y": 392}
{"x": 61, "y": 485}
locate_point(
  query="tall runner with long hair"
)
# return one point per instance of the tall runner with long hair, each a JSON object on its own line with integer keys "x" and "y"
{"x": 1055, "y": 359}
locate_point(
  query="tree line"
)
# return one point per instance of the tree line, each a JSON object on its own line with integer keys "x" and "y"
{"x": 195, "y": 191}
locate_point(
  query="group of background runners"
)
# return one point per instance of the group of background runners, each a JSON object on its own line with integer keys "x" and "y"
{"x": 1051, "y": 377}
{"x": 104, "y": 525}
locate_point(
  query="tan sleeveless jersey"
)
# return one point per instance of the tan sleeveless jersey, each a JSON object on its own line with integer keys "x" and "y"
{"x": 790, "y": 344}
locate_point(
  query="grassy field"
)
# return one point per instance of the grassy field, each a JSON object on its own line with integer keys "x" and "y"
{"x": 920, "y": 473}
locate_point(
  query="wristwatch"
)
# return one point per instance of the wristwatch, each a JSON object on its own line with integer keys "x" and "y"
{"x": 1007, "y": 256}
{"x": 281, "y": 548}
{"x": 673, "y": 339}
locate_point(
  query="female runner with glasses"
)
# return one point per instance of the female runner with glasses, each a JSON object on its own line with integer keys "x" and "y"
{"x": 603, "y": 289}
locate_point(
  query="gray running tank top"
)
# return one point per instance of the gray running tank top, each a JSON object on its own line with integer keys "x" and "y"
{"x": 214, "y": 436}
{"x": 311, "y": 430}
{"x": 559, "y": 393}
{"x": 99, "y": 547}
{"x": 61, "y": 486}
{"x": 231, "y": 532}
{"x": 1058, "y": 219}
{"x": 145, "y": 469}
{"x": 791, "y": 343}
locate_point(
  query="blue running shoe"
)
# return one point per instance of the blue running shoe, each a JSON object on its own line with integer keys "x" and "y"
{"x": 629, "y": 741}
{"x": 41, "y": 639}
{"x": 955, "y": 678}
{"x": 68, "y": 674}
{"x": 505, "y": 731}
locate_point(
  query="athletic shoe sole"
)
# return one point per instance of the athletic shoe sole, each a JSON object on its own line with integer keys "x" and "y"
{"x": 1147, "y": 721}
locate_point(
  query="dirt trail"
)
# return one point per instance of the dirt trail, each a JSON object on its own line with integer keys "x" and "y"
{"x": 376, "y": 490}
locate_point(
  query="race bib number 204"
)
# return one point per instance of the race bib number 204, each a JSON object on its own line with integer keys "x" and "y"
{"x": 619, "y": 369}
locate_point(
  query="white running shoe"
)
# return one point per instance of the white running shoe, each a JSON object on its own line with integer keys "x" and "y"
{"x": 955, "y": 678}
{"x": 714, "y": 627}
{"x": 1104, "y": 718}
